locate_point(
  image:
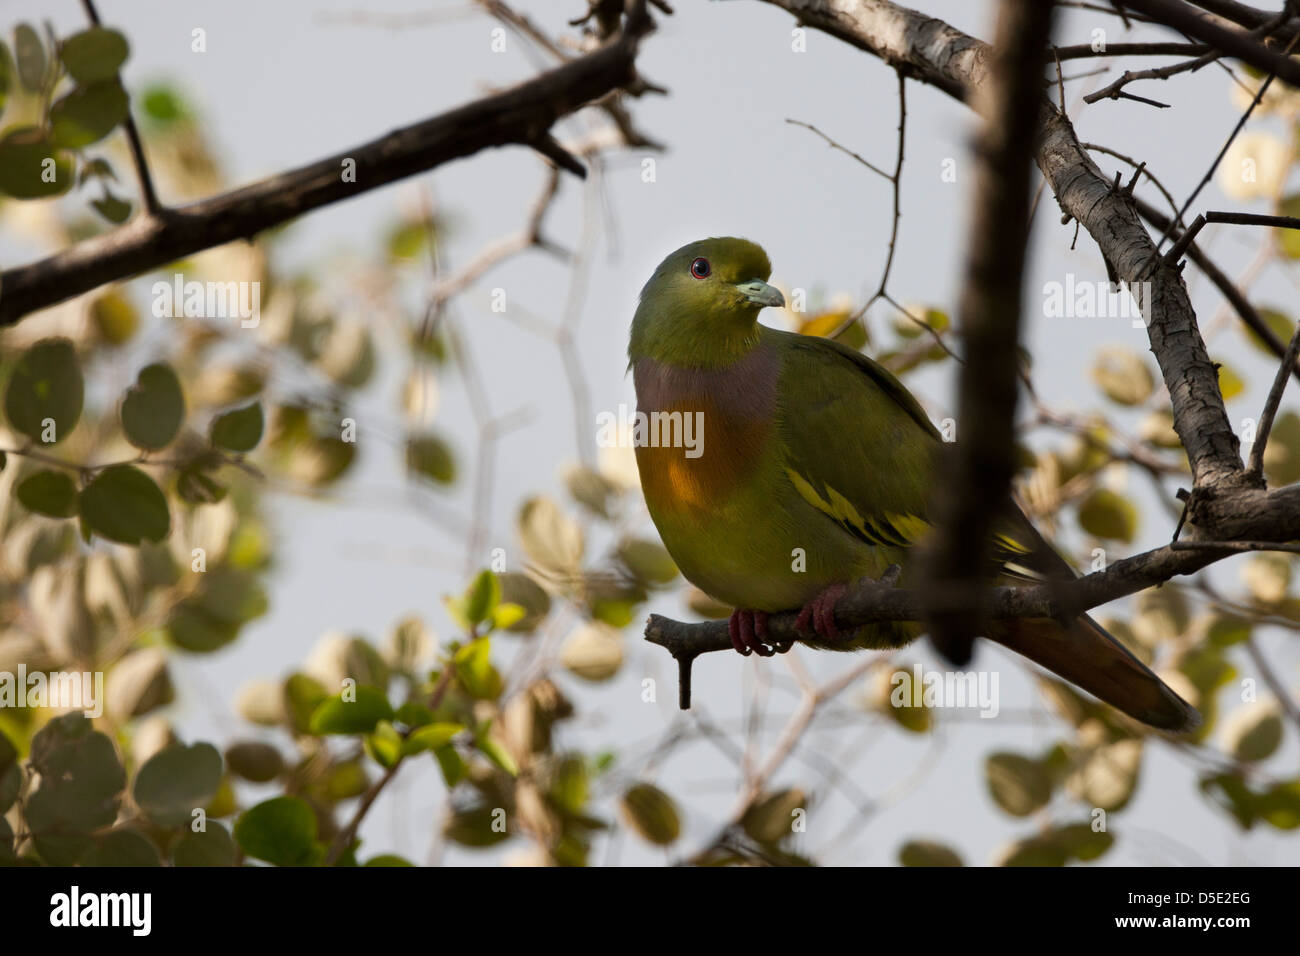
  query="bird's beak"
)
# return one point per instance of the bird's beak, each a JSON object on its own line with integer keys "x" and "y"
{"x": 760, "y": 293}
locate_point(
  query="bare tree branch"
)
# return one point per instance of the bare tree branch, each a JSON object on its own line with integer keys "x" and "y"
{"x": 522, "y": 115}
{"x": 980, "y": 465}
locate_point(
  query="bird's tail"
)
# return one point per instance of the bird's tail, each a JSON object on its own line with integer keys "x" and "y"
{"x": 1085, "y": 655}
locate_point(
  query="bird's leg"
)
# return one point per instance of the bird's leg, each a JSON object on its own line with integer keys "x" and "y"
{"x": 749, "y": 634}
{"x": 820, "y": 613}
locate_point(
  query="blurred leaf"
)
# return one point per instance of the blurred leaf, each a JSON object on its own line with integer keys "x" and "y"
{"x": 431, "y": 457}
{"x": 123, "y": 504}
{"x": 1037, "y": 851}
{"x": 210, "y": 847}
{"x": 408, "y": 239}
{"x": 475, "y": 672}
{"x": 139, "y": 683}
{"x": 1018, "y": 785}
{"x": 927, "y": 853}
{"x": 302, "y": 695}
{"x": 115, "y": 210}
{"x": 1081, "y": 842}
{"x": 1282, "y": 453}
{"x": 594, "y": 652}
{"x": 31, "y": 167}
{"x": 551, "y": 539}
{"x": 153, "y": 408}
{"x": 1123, "y": 376}
{"x": 93, "y": 55}
{"x": 1107, "y": 775}
{"x": 771, "y": 818}
{"x": 46, "y": 384}
{"x": 114, "y": 317}
{"x": 388, "y": 859}
{"x": 30, "y": 55}
{"x": 384, "y": 745}
{"x": 1230, "y": 383}
{"x": 493, "y": 750}
{"x": 1279, "y": 323}
{"x": 481, "y": 599}
{"x": 1267, "y": 577}
{"x": 176, "y": 781}
{"x": 1288, "y": 240}
{"x": 1105, "y": 514}
{"x": 1224, "y": 630}
{"x": 522, "y": 591}
{"x": 126, "y": 847}
{"x": 280, "y": 831}
{"x": 590, "y": 489}
{"x": 320, "y": 461}
{"x": 50, "y": 493}
{"x": 254, "y": 761}
{"x": 162, "y": 106}
{"x": 338, "y": 716}
{"x": 648, "y": 560}
{"x": 88, "y": 113}
{"x": 1161, "y": 614}
{"x": 1253, "y": 732}
{"x": 239, "y": 430}
{"x": 651, "y": 813}
{"x": 431, "y": 737}
{"x": 1157, "y": 429}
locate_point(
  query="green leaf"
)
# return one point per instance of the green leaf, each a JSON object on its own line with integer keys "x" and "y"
{"x": 88, "y": 113}
{"x": 927, "y": 853}
{"x": 115, "y": 318}
{"x": 153, "y": 408}
{"x": 280, "y": 831}
{"x": 339, "y": 716}
{"x": 7, "y": 73}
{"x": 384, "y": 745}
{"x": 11, "y": 774}
{"x": 239, "y": 430}
{"x": 475, "y": 671}
{"x": 1017, "y": 784}
{"x": 127, "y": 847}
{"x": 431, "y": 737}
{"x": 31, "y": 167}
{"x": 123, "y": 504}
{"x": 522, "y": 591}
{"x": 1281, "y": 325}
{"x": 490, "y": 748}
{"x": 254, "y": 761}
{"x": 81, "y": 786}
{"x": 482, "y": 597}
{"x": 176, "y": 781}
{"x": 115, "y": 210}
{"x": 1123, "y": 376}
{"x": 1106, "y": 514}
{"x": 452, "y": 765}
{"x": 210, "y": 847}
{"x": 652, "y": 814}
{"x": 388, "y": 859}
{"x": 46, "y": 391}
{"x": 50, "y": 493}
{"x": 163, "y": 106}
{"x": 1288, "y": 240}
{"x": 30, "y": 54}
{"x": 302, "y": 695}
{"x": 430, "y": 457}
{"x": 93, "y": 55}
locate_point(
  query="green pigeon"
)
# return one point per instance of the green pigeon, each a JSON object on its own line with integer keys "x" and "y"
{"x": 779, "y": 467}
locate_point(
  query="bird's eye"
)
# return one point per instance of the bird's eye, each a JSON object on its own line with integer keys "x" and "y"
{"x": 700, "y": 268}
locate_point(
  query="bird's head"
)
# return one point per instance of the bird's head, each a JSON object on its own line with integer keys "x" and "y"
{"x": 700, "y": 308}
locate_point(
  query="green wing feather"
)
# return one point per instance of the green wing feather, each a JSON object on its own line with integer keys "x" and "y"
{"x": 861, "y": 450}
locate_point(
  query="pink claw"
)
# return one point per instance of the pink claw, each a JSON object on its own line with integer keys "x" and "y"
{"x": 748, "y": 631}
{"x": 820, "y": 613}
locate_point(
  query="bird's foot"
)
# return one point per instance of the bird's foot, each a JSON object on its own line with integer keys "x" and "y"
{"x": 749, "y": 634}
{"x": 820, "y": 613}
